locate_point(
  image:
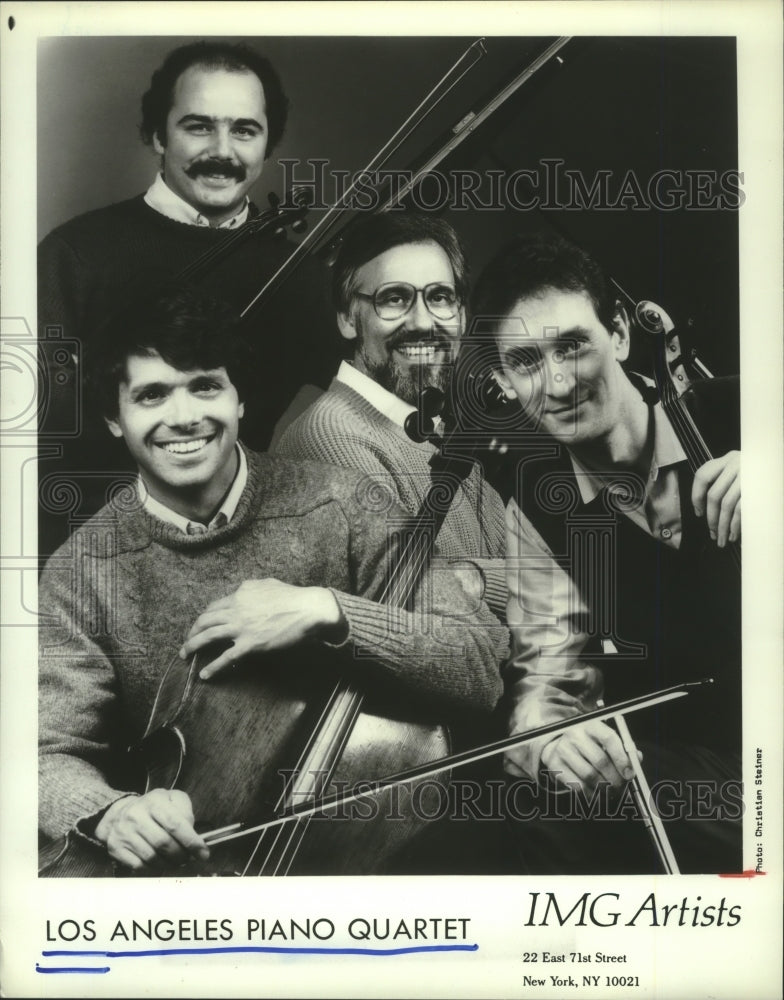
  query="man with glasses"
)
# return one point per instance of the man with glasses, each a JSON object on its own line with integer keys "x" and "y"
{"x": 399, "y": 286}
{"x": 250, "y": 561}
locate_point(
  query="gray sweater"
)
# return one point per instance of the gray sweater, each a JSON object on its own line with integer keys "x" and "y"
{"x": 343, "y": 428}
{"x": 119, "y": 597}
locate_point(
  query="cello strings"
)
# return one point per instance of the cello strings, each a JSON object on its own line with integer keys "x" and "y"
{"x": 697, "y": 451}
{"x": 284, "y": 796}
{"x": 470, "y": 756}
{"x": 334, "y": 745}
{"x": 412, "y": 562}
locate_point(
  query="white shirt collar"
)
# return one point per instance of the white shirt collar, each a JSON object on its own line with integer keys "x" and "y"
{"x": 222, "y": 516}
{"x": 667, "y": 451}
{"x": 160, "y": 197}
{"x": 384, "y": 401}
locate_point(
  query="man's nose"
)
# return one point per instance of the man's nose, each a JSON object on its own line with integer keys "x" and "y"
{"x": 183, "y": 410}
{"x": 419, "y": 316}
{"x": 559, "y": 376}
{"x": 220, "y": 144}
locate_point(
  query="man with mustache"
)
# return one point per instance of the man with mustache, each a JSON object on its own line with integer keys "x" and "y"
{"x": 621, "y": 574}
{"x": 250, "y": 560}
{"x": 399, "y": 287}
{"x": 214, "y": 113}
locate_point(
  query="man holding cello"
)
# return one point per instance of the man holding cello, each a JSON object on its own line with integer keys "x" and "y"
{"x": 229, "y": 555}
{"x": 622, "y": 570}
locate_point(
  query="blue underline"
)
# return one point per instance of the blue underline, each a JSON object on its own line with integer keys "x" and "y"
{"x": 104, "y": 968}
{"x": 264, "y": 950}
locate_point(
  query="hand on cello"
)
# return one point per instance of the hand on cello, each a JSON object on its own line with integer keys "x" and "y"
{"x": 142, "y": 832}
{"x": 716, "y": 493}
{"x": 262, "y": 616}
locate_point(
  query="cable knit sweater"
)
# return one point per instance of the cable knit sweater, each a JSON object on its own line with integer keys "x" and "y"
{"x": 343, "y": 428}
{"x": 118, "y": 599}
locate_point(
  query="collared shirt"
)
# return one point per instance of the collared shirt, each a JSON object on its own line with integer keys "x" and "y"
{"x": 221, "y": 517}
{"x": 547, "y": 680}
{"x": 659, "y": 513}
{"x": 384, "y": 401}
{"x": 160, "y": 197}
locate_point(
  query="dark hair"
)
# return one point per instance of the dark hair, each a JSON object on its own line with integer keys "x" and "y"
{"x": 373, "y": 235}
{"x": 187, "y": 327}
{"x": 531, "y": 264}
{"x": 158, "y": 100}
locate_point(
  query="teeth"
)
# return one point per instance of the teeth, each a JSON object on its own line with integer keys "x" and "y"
{"x": 418, "y": 352}
{"x": 184, "y": 447}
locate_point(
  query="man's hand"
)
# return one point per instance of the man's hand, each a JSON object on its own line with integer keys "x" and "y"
{"x": 261, "y": 616}
{"x": 716, "y": 493}
{"x": 587, "y": 756}
{"x": 144, "y": 832}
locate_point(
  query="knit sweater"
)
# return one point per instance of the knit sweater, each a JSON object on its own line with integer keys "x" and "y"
{"x": 119, "y": 598}
{"x": 343, "y": 428}
{"x": 92, "y": 265}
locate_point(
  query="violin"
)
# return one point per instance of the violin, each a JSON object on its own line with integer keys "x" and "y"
{"x": 316, "y": 731}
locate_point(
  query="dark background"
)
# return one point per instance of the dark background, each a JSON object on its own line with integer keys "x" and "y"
{"x": 616, "y": 104}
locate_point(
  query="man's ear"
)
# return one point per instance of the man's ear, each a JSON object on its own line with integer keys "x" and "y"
{"x": 620, "y": 332}
{"x": 240, "y": 411}
{"x": 114, "y": 427}
{"x": 157, "y": 145}
{"x": 347, "y": 326}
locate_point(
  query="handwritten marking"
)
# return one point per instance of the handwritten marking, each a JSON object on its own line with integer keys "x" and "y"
{"x": 747, "y": 873}
{"x": 103, "y": 968}
{"x": 260, "y": 950}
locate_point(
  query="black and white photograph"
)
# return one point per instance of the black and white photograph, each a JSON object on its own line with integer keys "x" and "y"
{"x": 376, "y": 382}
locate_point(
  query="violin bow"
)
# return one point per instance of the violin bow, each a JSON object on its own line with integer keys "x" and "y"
{"x": 464, "y": 128}
{"x": 451, "y": 78}
{"x": 473, "y": 119}
{"x": 241, "y": 829}
{"x": 644, "y": 799}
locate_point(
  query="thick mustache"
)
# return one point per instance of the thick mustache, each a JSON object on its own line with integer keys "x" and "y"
{"x": 213, "y": 167}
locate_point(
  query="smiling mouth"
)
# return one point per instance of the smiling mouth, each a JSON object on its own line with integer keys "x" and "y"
{"x": 190, "y": 447}
{"x": 421, "y": 352}
{"x": 217, "y": 180}
{"x": 565, "y": 410}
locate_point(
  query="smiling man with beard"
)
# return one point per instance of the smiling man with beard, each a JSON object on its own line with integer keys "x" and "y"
{"x": 214, "y": 113}
{"x": 399, "y": 287}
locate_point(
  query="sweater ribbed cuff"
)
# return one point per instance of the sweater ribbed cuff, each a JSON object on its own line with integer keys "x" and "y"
{"x": 374, "y": 627}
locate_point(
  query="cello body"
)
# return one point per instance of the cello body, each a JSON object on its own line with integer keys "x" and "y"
{"x": 250, "y": 743}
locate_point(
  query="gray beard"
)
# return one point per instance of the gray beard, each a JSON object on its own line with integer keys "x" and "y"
{"x": 407, "y": 385}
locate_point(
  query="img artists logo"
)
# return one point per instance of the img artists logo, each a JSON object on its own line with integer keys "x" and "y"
{"x": 606, "y": 910}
